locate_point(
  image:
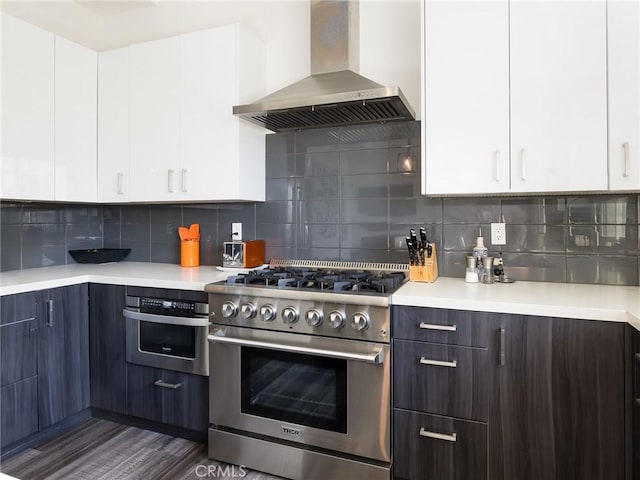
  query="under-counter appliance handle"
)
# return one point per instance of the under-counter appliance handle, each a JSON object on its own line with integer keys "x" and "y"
{"x": 438, "y": 436}
{"x": 438, "y": 363}
{"x": 432, "y": 326}
{"x": 150, "y": 317}
{"x": 377, "y": 357}
{"x": 161, "y": 383}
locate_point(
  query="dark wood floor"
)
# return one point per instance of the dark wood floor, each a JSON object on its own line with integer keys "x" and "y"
{"x": 102, "y": 450}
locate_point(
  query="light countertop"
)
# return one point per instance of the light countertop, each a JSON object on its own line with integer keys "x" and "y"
{"x": 139, "y": 274}
{"x": 569, "y": 300}
{"x": 592, "y": 302}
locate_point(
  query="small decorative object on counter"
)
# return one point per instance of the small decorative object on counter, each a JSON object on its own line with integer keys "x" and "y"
{"x": 190, "y": 245}
{"x": 487, "y": 270}
{"x": 423, "y": 265}
{"x": 243, "y": 254}
{"x": 471, "y": 272}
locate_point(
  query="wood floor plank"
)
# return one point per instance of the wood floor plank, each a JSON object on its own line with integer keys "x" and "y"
{"x": 102, "y": 450}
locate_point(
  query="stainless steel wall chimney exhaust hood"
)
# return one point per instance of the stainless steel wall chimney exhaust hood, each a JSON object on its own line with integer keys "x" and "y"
{"x": 334, "y": 94}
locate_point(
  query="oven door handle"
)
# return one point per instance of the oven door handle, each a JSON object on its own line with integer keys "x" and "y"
{"x": 376, "y": 357}
{"x": 150, "y": 317}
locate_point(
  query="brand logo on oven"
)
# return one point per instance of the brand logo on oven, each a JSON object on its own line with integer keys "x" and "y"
{"x": 291, "y": 431}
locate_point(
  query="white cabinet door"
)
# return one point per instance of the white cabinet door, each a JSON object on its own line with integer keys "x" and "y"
{"x": 113, "y": 126}
{"x": 208, "y": 131}
{"x": 623, "y": 32}
{"x": 27, "y": 111}
{"x": 466, "y": 97}
{"x": 155, "y": 120}
{"x": 75, "y": 122}
{"x": 558, "y": 96}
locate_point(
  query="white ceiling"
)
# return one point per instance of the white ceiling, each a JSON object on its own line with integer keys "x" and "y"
{"x": 107, "y": 24}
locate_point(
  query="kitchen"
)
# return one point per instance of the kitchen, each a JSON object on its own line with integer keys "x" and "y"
{"x": 351, "y": 193}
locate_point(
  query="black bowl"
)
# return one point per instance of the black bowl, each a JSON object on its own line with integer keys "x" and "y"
{"x": 100, "y": 255}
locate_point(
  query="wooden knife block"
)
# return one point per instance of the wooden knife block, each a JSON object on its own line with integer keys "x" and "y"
{"x": 427, "y": 273}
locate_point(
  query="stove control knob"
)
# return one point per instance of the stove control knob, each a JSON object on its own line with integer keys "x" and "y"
{"x": 289, "y": 315}
{"x": 360, "y": 321}
{"x": 229, "y": 309}
{"x": 313, "y": 317}
{"x": 247, "y": 311}
{"x": 267, "y": 313}
{"x": 336, "y": 319}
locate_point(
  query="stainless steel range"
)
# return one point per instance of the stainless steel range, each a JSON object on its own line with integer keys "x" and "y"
{"x": 300, "y": 369}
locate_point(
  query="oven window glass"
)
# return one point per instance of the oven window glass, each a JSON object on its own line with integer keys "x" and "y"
{"x": 168, "y": 339}
{"x": 303, "y": 389}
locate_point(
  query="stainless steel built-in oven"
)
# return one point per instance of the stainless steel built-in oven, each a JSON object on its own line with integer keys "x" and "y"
{"x": 169, "y": 334}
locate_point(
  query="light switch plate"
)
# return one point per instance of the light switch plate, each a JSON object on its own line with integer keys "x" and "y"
{"x": 236, "y": 231}
{"x": 498, "y": 234}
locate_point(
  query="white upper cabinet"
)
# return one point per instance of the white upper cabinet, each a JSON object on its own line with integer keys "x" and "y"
{"x": 624, "y": 94}
{"x": 75, "y": 122}
{"x": 515, "y": 96}
{"x": 466, "y": 97}
{"x": 185, "y": 143}
{"x": 27, "y": 111}
{"x": 558, "y": 96}
{"x": 113, "y": 126}
{"x": 154, "y": 120}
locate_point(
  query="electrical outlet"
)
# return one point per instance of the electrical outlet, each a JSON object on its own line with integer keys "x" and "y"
{"x": 498, "y": 234}
{"x": 236, "y": 231}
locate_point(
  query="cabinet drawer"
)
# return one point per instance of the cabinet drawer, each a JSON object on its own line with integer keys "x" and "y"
{"x": 430, "y": 447}
{"x": 175, "y": 398}
{"x": 18, "y": 354}
{"x": 441, "y": 379}
{"x": 18, "y": 307}
{"x": 440, "y": 325}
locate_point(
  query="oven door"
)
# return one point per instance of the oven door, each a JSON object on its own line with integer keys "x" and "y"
{"x": 172, "y": 343}
{"x": 326, "y": 392}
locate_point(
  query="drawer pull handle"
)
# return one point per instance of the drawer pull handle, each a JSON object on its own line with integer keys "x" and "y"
{"x": 160, "y": 383}
{"x": 638, "y": 356}
{"x": 438, "y": 436}
{"x": 638, "y": 401}
{"x": 438, "y": 363}
{"x": 445, "y": 328}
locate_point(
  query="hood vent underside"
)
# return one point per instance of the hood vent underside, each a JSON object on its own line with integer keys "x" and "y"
{"x": 334, "y": 94}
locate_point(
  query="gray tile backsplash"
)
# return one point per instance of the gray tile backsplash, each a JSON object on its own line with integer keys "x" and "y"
{"x": 350, "y": 193}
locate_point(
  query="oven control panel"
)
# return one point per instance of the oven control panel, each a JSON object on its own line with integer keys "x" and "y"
{"x": 178, "y": 308}
{"x": 359, "y": 322}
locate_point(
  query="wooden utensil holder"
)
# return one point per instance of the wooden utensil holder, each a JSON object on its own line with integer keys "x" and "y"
{"x": 427, "y": 272}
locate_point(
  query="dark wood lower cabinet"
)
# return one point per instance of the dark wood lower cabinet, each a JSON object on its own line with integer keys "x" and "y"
{"x": 165, "y": 396}
{"x": 18, "y": 410}
{"x": 430, "y": 447}
{"x": 63, "y": 353}
{"x": 558, "y": 401}
{"x": 557, "y": 407}
{"x": 107, "y": 349}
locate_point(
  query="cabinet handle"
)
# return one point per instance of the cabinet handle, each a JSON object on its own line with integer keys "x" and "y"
{"x": 49, "y": 322}
{"x": 638, "y": 401}
{"x": 523, "y": 164}
{"x": 497, "y": 171}
{"x": 501, "y": 355}
{"x": 430, "y": 326}
{"x": 170, "y": 181}
{"x": 638, "y": 356}
{"x": 625, "y": 150}
{"x": 438, "y": 363}
{"x": 438, "y": 436}
{"x": 120, "y": 183}
{"x": 184, "y": 179}
{"x": 173, "y": 386}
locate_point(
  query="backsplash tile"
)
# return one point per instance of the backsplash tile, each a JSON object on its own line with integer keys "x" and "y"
{"x": 349, "y": 193}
